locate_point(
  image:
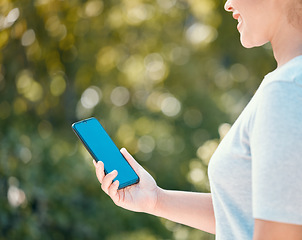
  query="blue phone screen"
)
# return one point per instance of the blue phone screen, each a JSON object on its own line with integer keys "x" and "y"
{"x": 102, "y": 148}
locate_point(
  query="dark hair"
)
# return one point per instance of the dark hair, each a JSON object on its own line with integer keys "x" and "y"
{"x": 294, "y": 14}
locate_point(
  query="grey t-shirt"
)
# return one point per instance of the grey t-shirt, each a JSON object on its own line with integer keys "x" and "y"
{"x": 256, "y": 171}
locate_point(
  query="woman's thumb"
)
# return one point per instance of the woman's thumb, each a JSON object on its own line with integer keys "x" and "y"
{"x": 133, "y": 163}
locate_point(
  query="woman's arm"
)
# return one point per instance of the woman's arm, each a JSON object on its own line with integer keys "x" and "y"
{"x": 188, "y": 208}
{"x": 269, "y": 230}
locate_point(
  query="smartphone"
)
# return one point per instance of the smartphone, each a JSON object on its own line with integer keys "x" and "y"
{"x": 102, "y": 148}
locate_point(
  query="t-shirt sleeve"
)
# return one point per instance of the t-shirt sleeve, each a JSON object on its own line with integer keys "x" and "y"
{"x": 276, "y": 149}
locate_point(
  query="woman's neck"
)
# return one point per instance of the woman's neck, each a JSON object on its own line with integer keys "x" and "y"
{"x": 287, "y": 44}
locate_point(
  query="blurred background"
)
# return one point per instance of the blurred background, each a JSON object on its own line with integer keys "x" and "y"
{"x": 166, "y": 78}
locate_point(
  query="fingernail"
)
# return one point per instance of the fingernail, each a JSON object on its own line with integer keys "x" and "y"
{"x": 98, "y": 163}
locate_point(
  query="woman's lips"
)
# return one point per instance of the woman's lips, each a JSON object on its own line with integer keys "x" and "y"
{"x": 239, "y": 23}
{"x": 237, "y": 17}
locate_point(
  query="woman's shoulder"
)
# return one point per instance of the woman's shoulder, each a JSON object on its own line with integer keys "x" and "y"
{"x": 291, "y": 72}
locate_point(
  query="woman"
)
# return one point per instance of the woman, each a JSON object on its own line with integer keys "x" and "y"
{"x": 256, "y": 172}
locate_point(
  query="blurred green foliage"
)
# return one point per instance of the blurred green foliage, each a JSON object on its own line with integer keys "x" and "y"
{"x": 165, "y": 77}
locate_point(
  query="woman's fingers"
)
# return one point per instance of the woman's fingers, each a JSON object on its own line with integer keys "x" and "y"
{"x": 107, "y": 184}
{"x": 112, "y": 190}
{"x": 99, "y": 169}
{"x": 107, "y": 181}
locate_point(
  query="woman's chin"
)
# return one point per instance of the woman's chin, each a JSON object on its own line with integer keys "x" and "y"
{"x": 247, "y": 43}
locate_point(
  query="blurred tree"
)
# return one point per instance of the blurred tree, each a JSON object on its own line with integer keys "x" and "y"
{"x": 165, "y": 77}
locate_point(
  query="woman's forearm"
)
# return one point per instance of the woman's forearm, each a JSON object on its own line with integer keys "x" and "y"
{"x": 188, "y": 208}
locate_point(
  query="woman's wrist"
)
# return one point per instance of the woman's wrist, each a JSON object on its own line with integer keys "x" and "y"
{"x": 155, "y": 209}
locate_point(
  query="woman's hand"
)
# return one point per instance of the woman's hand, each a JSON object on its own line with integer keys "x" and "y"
{"x": 188, "y": 208}
{"x": 140, "y": 197}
